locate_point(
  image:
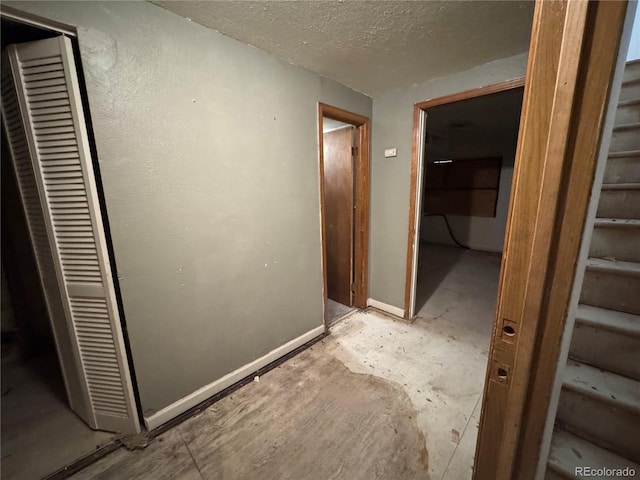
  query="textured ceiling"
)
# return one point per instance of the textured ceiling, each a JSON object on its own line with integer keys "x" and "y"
{"x": 372, "y": 46}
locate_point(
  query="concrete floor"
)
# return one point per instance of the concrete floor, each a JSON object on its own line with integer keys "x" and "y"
{"x": 379, "y": 398}
{"x": 440, "y": 359}
{"x": 40, "y": 434}
{"x": 335, "y": 311}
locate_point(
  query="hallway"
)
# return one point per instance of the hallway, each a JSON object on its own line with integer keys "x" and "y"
{"x": 379, "y": 398}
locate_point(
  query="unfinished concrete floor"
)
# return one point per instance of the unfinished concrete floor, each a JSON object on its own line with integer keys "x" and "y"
{"x": 40, "y": 434}
{"x": 336, "y": 310}
{"x": 440, "y": 359}
{"x": 379, "y": 398}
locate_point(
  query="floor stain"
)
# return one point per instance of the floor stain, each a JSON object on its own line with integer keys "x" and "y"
{"x": 314, "y": 419}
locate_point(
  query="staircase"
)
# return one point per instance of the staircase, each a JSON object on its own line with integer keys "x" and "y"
{"x": 598, "y": 418}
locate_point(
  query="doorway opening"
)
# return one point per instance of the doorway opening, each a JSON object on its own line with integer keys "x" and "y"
{"x": 344, "y": 209}
{"x": 463, "y": 161}
{"x": 65, "y": 380}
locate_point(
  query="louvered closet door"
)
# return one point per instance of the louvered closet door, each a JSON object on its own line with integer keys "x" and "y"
{"x": 45, "y": 126}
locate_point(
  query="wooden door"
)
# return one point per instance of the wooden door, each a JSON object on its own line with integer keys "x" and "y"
{"x": 48, "y": 142}
{"x": 338, "y": 212}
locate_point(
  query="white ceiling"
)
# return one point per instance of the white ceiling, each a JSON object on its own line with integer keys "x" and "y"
{"x": 372, "y": 46}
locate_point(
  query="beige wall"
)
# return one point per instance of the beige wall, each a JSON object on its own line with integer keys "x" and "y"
{"x": 390, "y": 182}
{"x": 209, "y": 158}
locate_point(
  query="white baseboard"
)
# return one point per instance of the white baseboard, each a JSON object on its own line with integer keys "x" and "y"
{"x": 200, "y": 395}
{"x": 385, "y": 307}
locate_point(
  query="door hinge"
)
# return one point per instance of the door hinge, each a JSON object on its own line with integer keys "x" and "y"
{"x": 353, "y": 288}
{"x": 354, "y": 151}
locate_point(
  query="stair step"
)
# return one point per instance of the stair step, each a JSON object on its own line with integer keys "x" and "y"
{"x": 631, "y": 125}
{"x": 625, "y": 154}
{"x": 607, "y": 339}
{"x": 619, "y": 201}
{"x": 569, "y": 451}
{"x": 617, "y": 223}
{"x": 626, "y": 137}
{"x": 616, "y": 238}
{"x": 628, "y": 103}
{"x": 616, "y": 390}
{"x": 601, "y": 407}
{"x": 623, "y": 167}
{"x": 611, "y": 320}
{"x": 630, "y": 89}
{"x": 612, "y": 285}
{"x": 631, "y": 71}
{"x": 613, "y": 266}
{"x": 628, "y": 112}
{"x": 621, "y": 186}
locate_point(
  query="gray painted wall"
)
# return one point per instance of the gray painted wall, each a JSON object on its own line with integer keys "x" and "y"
{"x": 390, "y": 177}
{"x": 209, "y": 157}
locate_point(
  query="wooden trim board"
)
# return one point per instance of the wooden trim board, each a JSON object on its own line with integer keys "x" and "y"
{"x": 532, "y": 432}
{"x": 362, "y": 174}
{"x": 415, "y": 157}
{"x": 36, "y": 21}
{"x": 385, "y": 307}
{"x": 586, "y": 129}
{"x": 473, "y": 93}
{"x": 200, "y": 395}
{"x": 573, "y": 49}
{"x": 543, "y": 245}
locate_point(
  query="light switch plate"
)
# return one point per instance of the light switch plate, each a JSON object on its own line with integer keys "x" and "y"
{"x": 390, "y": 152}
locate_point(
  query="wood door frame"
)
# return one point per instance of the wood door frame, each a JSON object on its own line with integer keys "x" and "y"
{"x": 36, "y": 21}
{"x": 414, "y": 194}
{"x": 569, "y": 75}
{"x": 362, "y": 184}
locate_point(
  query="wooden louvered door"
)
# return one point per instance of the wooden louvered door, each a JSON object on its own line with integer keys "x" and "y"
{"x": 45, "y": 127}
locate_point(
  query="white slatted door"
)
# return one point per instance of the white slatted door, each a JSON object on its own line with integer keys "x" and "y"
{"x": 45, "y": 126}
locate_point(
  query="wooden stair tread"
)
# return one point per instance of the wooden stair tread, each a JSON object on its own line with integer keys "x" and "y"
{"x": 611, "y": 320}
{"x": 569, "y": 451}
{"x": 613, "y": 266}
{"x": 601, "y": 385}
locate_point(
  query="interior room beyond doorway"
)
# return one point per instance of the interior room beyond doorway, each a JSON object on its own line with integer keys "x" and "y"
{"x": 339, "y": 141}
{"x": 469, "y": 155}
